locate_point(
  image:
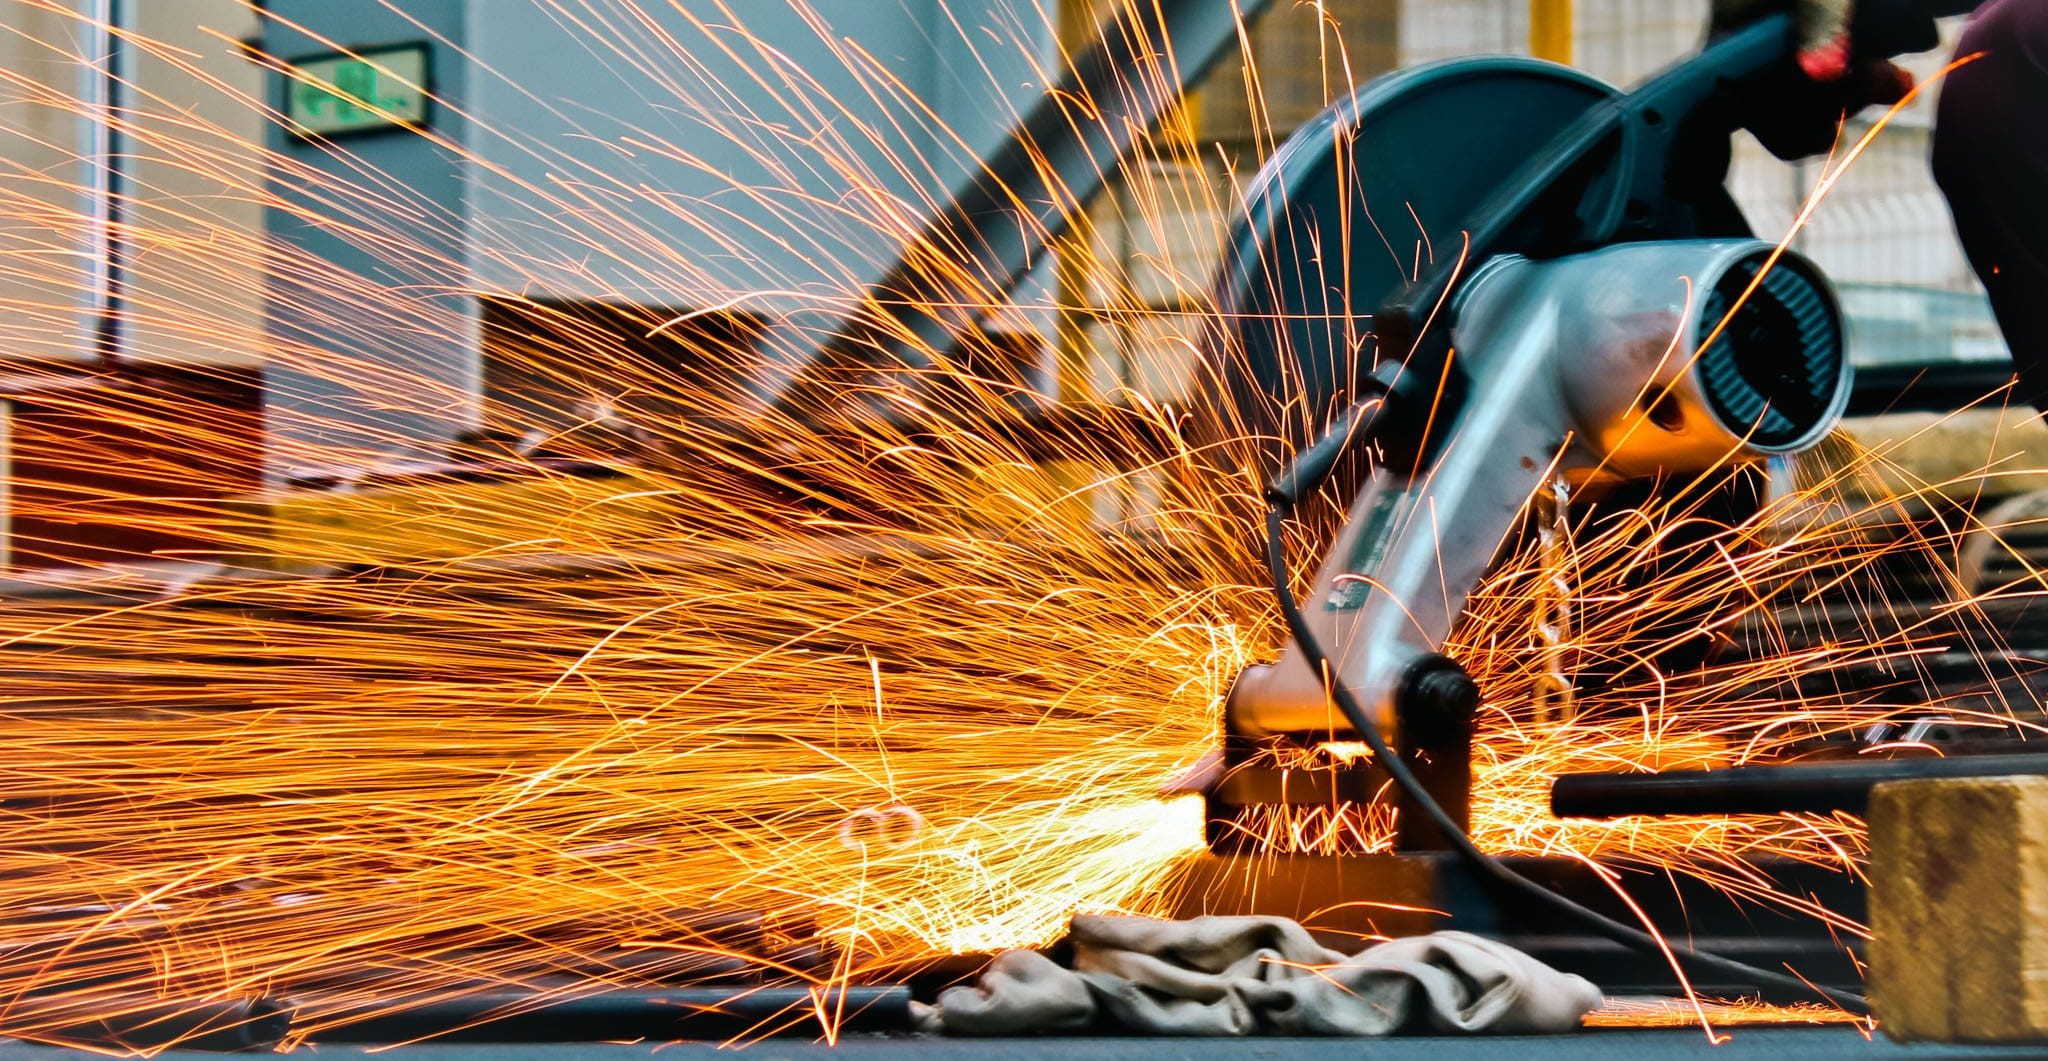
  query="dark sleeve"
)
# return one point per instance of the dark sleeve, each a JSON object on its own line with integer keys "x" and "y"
{"x": 1991, "y": 160}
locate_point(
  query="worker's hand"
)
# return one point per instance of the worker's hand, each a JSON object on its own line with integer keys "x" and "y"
{"x": 1822, "y": 29}
{"x": 1803, "y": 120}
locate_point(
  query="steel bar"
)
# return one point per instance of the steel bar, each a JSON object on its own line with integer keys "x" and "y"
{"x": 1815, "y": 787}
{"x": 715, "y": 1013}
{"x": 146, "y": 1025}
{"x": 1935, "y": 386}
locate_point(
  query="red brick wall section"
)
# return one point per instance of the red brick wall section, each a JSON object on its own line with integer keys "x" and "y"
{"x": 130, "y": 464}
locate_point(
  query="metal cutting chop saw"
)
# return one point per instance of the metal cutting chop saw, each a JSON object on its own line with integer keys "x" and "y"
{"x": 1459, "y": 284}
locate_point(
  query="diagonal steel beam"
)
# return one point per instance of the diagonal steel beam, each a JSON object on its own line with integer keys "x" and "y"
{"x": 1026, "y": 192}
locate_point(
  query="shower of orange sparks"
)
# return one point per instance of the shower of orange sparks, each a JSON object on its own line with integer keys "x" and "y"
{"x": 902, "y": 692}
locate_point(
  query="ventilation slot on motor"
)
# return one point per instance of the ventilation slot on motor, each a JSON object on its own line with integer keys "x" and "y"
{"x": 1774, "y": 373}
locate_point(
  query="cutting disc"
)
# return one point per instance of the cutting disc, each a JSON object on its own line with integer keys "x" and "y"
{"x": 1346, "y": 212}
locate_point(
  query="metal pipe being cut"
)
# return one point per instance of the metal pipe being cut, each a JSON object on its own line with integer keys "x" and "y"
{"x": 1812, "y": 788}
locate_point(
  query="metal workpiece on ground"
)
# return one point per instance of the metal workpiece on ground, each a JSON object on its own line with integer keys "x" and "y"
{"x": 142, "y": 1024}
{"x": 1582, "y": 367}
{"x": 1819, "y": 787}
{"x": 718, "y": 1013}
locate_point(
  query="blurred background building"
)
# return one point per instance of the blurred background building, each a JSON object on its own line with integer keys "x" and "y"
{"x": 559, "y": 200}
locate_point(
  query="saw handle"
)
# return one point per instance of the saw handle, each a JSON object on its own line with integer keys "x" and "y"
{"x": 1311, "y": 468}
{"x": 1795, "y": 117}
{"x": 1651, "y": 163}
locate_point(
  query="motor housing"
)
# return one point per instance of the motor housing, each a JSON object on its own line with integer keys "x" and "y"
{"x": 1638, "y": 361}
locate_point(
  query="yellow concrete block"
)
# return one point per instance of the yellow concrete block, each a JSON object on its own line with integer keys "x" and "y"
{"x": 1959, "y": 909}
{"x": 448, "y": 520}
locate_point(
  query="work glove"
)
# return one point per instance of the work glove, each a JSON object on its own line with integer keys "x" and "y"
{"x": 1822, "y": 28}
{"x": 1802, "y": 120}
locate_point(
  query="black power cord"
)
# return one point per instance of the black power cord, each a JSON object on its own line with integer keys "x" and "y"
{"x": 1301, "y": 477}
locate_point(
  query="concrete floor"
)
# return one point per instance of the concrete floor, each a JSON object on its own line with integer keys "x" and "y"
{"x": 1803, "y": 1043}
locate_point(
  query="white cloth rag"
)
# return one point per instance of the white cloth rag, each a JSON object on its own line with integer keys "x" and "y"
{"x": 1261, "y": 975}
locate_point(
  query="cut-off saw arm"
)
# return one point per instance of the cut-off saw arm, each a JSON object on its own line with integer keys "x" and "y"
{"x": 1530, "y": 275}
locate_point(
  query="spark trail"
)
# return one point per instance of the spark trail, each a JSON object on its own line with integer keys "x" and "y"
{"x": 897, "y": 673}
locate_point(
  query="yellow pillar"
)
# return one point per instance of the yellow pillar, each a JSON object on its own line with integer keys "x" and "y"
{"x": 1074, "y": 273}
{"x": 1550, "y": 30}
{"x": 1089, "y": 493}
{"x": 1074, "y": 381}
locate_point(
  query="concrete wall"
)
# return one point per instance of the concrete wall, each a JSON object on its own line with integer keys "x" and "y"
{"x": 656, "y": 153}
{"x": 194, "y": 277}
{"x": 189, "y": 138}
{"x": 48, "y": 228}
{"x": 372, "y": 317}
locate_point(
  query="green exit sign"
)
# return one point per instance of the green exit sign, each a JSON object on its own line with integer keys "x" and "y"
{"x": 375, "y": 88}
